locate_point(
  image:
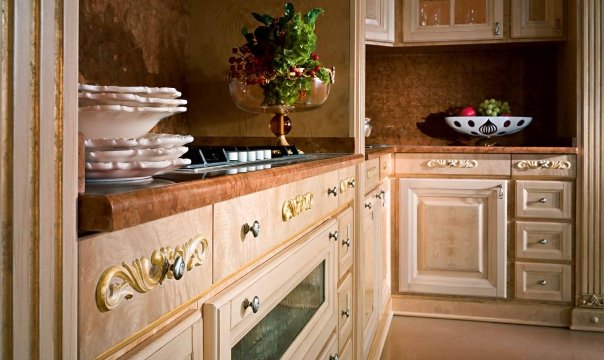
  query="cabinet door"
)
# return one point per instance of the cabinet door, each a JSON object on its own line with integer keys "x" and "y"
{"x": 537, "y": 19}
{"x": 379, "y": 20}
{"x": 452, "y": 20}
{"x": 385, "y": 204}
{"x": 370, "y": 269}
{"x": 453, "y": 236}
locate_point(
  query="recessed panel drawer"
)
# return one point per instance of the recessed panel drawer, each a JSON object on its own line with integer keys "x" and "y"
{"x": 548, "y": 282}
{"x": 544, "y": 199}
{"x": 372, "y": 173}
{"x": 543, "y": 165}
{"x": 347, "y": 183}
{"x": 385, "y": 166}
{"x": 344, "y": 311}
{"x": 543, "y": 240}
{"x": 345, "y": 241}
{"x": 452, "y": 164}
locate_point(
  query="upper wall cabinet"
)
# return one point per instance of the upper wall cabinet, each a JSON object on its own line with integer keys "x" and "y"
{"x": 433, "y": 22}
{"x": 452, "y": 20}
{"x": 537, "y": 19}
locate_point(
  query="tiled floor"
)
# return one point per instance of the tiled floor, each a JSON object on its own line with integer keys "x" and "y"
{"x": 436, "y": 339}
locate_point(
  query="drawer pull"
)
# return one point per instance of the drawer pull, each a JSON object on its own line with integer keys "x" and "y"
{"x": 368, "y": 205}
{"x": 346, "y": 242}
{"x": 542, "y": 282}
{"x": 333, "y": 235}
{"x": 594, "y": 320}
{"x": 542, "y": 241}
{"x": 460, "y": 164}
{"x": 334, "y": 357}
{"x": 346, "y": 313}
{"x": 346, "y": 184}
{"x": 351, "y": 183}
{"x": 543, "y": 164}
{"x": 144, "y": 274}
{"x": 297, "y": 205}
{"x": 497, "y": 29}
{"x": 380, "y": 195}
{"x": 501, "y": 194}
{"x": 332, "y": 191}
{"x": 255, "y": 228}
{"x": 542, "y": 200}
{"x": 254, "y": 304}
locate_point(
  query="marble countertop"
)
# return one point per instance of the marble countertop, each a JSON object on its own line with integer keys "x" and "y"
{"x": 111, "y": 207}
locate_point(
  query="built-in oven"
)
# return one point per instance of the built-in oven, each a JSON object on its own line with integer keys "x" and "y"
{"x": 286, "y": 308}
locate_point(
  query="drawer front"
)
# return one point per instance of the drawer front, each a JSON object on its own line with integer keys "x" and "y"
{"x": 330, "y": 351}
{"x": 119, "y": 257}
{"x": 385, "y": 166}
{"x": 547, "y": 282}
{"x": 182, "y": 339}
{"x": 344, "y": 311}
{"x": 346, "y": 352}
{"x": 587, "y": 319}
{"x": 345, "y": 240}
{"x": 241, "y": 241}
{"x": 347, "y": 183}
{"x": 452, "y": 164}
{"x": 543, "y": 165}
{"x": 372, "y": 173}
{"x": 543, "y": 240}
{"x": 544, "y": 199}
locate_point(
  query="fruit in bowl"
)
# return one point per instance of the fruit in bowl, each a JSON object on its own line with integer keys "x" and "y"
{"x": 467, "y": 111}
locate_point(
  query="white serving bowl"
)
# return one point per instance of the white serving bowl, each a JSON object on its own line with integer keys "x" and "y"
{"x": 158, "y": 92}
{"x": 147, "y": 141}
{"x": 488, "y": 126}
{"x": 117, "y": 121}
{"x": 130, "y": 170}
{"x": 130, "y": 155}
{"x": 91, "y": 99}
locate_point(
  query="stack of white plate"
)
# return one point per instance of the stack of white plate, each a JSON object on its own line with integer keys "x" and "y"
{"x": 116, "y": 121}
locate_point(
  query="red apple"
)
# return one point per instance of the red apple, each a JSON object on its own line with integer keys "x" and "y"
{"x": 467, "y": 111}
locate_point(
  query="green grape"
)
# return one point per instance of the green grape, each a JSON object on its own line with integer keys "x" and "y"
{"x": 493, "y": 107}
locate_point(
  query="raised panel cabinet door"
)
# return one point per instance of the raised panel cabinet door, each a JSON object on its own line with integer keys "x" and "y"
{"x": 370, "y": 266}
{"x": 345, "y": 241}
{"x": 385, "y": 207}
{"x": 537, "y": 19}
{"x": 379, "y": 20}
{"x": 452, "y": 20}
{"x": 453, "y": 236}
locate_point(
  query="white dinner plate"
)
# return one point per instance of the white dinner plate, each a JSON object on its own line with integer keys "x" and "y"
{"x": 147, "y": 141}
{"x": 160, "y": 92}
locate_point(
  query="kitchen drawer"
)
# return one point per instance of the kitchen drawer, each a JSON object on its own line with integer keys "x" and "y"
{"x": 345, "y": 311}
{"x": 385, "y": 166}
{"x": 372, "y": 174}
{"x": 280, "y": 213}
{"x": 548, "y": 282}
{"x": 182, "y": 339}
{"x": 544, "y": 199}
{"x": 587, "y": 319}
{"x": 329, "y": 352}
{"x": 345, "y": 240}
{"x": 543, "y": 240}
{"x": 123, "y": 258}
{"x": 346, "y": 351}
{"x": 544, "y": 165}
{"x": 452, "y": 164}
{"x": 347, "y": 183}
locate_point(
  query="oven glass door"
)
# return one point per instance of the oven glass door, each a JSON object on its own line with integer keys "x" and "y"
{"x": 273, "y": 335}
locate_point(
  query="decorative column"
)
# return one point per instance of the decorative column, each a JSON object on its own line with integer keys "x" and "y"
{"x": 589, "y": 311}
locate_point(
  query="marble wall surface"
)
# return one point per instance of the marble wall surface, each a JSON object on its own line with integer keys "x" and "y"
{"x": 409, "y": 90}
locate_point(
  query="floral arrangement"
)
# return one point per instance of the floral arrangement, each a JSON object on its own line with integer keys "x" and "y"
{"x": 280, "y": 56}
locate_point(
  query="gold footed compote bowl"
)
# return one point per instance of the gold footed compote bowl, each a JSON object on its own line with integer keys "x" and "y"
{"x": 252, "y": 98}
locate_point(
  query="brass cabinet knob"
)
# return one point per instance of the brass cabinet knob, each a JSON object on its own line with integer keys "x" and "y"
{"x": 178, "y": 268}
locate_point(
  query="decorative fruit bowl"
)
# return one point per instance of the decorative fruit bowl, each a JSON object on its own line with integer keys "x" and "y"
{"x": 488, "y": 126}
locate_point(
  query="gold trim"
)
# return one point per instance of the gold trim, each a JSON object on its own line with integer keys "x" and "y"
{"x": 346, "y": 184}
{"x": 461, "y": 164}
{"x": 543, "y": 164}
{"x": 591, "y": 300}
{"x": 372, "y": 172}
{"x": 143, "y": 275}
{"x": 296, "y": 206}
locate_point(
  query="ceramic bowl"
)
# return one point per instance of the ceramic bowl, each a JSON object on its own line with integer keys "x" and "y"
{"x": 117, "y": 121}
{"x": 158, "y": 92}
{"x": 148, "y": 141}
{"x": 91, "y": 99}
{"x": 129, "y": 155}
{"x": 132, "y": 170}
{"x": 488, "y": 126}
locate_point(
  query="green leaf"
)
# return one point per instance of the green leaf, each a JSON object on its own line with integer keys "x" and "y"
{"x": 312, "y": 16}
{"x": 287, "y": 15}
{"x": 264, "y": 18}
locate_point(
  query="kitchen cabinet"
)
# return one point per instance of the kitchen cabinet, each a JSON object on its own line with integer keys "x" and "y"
{"x": 370, "y": 280}
{"x": 537, "y": 19}
{"x": 453, "y": 236}
{"x": 379, "y": 20}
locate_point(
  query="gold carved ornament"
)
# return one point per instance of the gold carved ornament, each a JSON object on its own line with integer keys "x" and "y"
{"x": 372, "y": 172}
{"x": 460, "y": 164}
{"x": 591, "y": 300}
{"x": 143, "y": 275}
{"x": 295, "y": 206}
{"x": 346, "y": 184}
{"x": 543, "y": 164}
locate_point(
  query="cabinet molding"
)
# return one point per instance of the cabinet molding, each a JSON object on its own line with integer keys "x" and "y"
{"x": 296, "y": 206}
{"x": 442, "y": 163}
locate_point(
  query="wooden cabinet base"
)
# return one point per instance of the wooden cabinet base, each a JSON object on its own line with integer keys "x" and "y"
{"x": 587, "y": 319}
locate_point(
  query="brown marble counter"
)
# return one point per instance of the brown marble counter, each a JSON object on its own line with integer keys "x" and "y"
{"x": 375, "y": 152}
{"x": 110, "y": 211}
{"x": 486, "y": 149}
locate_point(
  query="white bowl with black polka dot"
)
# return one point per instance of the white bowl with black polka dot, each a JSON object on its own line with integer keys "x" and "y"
{"x": 488, "y": 126}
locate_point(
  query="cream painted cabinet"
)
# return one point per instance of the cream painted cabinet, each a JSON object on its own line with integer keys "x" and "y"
{"x": 452, "y": 20}
{"x": 453, "y": 236}
{"x": 371, "y": 279}
{"x": 379, "y": 20}
{"x": 537, "y": 19}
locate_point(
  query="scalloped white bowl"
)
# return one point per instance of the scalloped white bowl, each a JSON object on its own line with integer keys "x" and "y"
{"x": 117, "y": 121}
{"x": 130, "y": 170}
{"x": 148, "y": 141}
{"x": 158, "y": 92}
{"x": 91, "y": 99}
{"x": 488, "y": 126}
{"x": 130, "y": 155}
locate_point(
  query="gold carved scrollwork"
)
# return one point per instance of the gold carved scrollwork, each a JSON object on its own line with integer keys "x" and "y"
{"x": 372, "y": 172}
{"x": 143, "y": 275}
{"x": 462, "y": 164}
{"x": 591, "y": 300}
{"x": 543, "y": 164}
{"x": 295, "y": 206}
{"x": 346, "y": 184}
